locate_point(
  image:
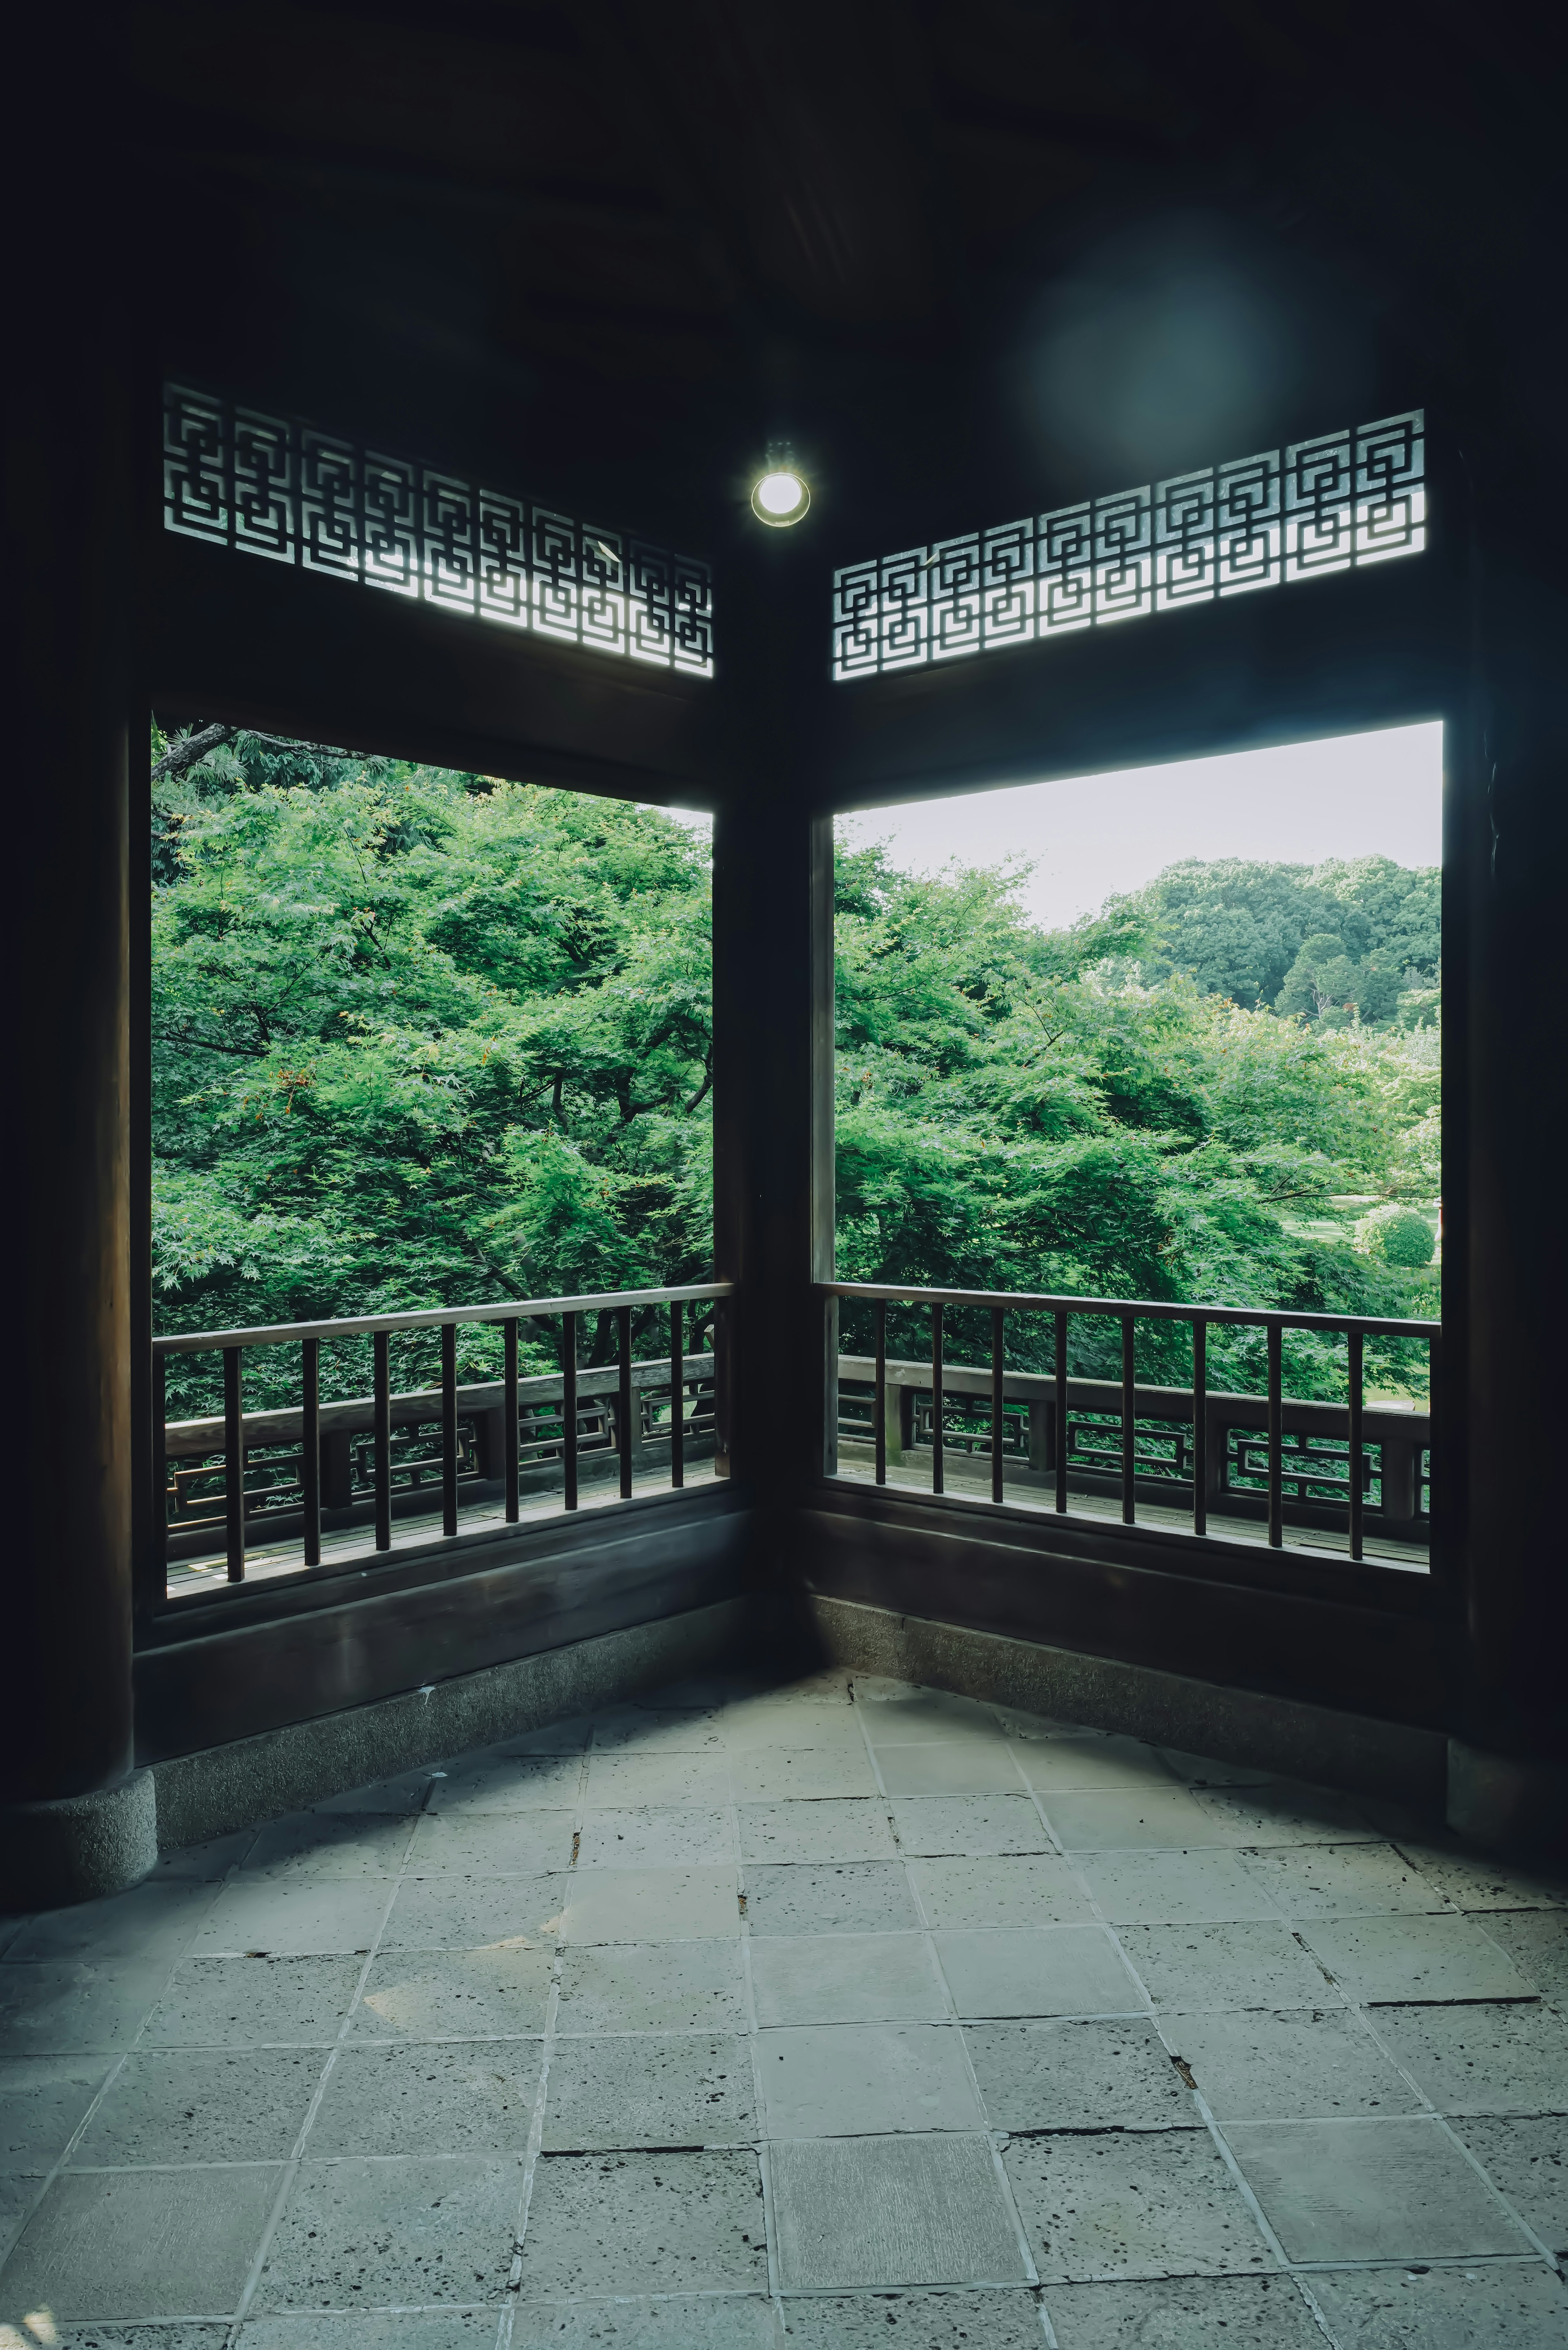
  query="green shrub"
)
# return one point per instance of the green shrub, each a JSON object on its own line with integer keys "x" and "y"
{"x": 1398, "y": 1236}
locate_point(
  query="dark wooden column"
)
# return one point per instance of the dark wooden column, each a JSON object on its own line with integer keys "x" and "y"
{"x": 65, "y": 943}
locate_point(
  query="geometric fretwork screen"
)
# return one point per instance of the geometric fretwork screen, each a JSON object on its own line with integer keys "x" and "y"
{"x": 280, "y": 488}
{"x": 1350, "y": 498}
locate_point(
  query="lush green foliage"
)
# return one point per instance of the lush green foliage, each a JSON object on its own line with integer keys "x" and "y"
{"x": 420, "y": 1039}
{"x": 425, "y": 1039}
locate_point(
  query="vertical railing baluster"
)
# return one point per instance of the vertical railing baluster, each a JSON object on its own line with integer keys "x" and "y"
{"x": 233, "y": 1465}
{"x": 1129, "y": 1424}
{"x": 1354, "y": 1399}
{"x": 624, "y": 1400}
{"x": 449, "y": 1428}
{"x": 1199, "y": 1426}
{"x": 310, "y": 1446}
{"x": 382, "y": 1439}
{"x": 1276, "y": 1443}
{"x": 677, "y": 1394}
{"x": 936, "y": 1486}
{"x": 160, "y": 1527}
{"x": 509, "y": 1415}
{"x": 569, "y": 1408}
{"x": 998, "y": 1318}
{"x": 879, "y": 1401}
{"x": 1061, "y": 1411}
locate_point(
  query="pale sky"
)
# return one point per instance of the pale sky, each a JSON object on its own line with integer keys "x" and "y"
{"x": 1358, "y": 795}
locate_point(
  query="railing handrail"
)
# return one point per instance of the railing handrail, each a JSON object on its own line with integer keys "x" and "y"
{"x": 349, "y": 1326}
{"x": 1366, "y": 1325}
{"x": 1094, "y": 1394}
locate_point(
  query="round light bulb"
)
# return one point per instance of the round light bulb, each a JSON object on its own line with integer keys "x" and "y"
{"x": 780, "y": 497}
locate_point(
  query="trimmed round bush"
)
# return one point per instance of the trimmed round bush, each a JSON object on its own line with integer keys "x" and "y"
{"x": 1398, "y": 1236}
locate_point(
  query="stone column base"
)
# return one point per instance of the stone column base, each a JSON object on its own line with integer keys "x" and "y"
{"x": 1506, "y": 1804}
{"x": 76, "y": 1846}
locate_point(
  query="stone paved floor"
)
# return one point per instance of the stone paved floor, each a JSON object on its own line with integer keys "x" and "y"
{"x": 814, "y": 2018}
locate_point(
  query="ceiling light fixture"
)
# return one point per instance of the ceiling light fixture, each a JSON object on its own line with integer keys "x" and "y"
{"x": 781, "y": 494}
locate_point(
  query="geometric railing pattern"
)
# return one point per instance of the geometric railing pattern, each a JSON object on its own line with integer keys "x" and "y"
{"x": 278, "y": 487}
{"x": 1319, "y": 506}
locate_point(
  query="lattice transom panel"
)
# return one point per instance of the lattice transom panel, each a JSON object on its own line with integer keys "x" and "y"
{"x": 274, "y": 487}
{"x": 1347, "y": 499}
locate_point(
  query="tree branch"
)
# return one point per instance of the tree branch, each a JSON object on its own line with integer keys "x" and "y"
{"x": 190, "y": 748}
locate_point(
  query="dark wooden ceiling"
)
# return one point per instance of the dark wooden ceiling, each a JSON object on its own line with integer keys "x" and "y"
{"x": 603, "y": 243}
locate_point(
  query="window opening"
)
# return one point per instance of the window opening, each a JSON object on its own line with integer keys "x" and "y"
{"x": 1346, "y": 499}
{"x": 1078, "y": 1066}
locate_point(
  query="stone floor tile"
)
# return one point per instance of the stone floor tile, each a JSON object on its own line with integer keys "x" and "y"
{"x": 975, "y": 1825}
{"x": 501, "y": 1989}
{"x": 831, "y": 1686}
{"x": 771, "y": 1774}
{"x": 1413, "y": 1958}
{"x": 402, "y": 2329}
{"x": 492, "y": 1843}
{"x": 675, "y": 2322}
{"x": 1304, "y": 2063}
{"x": 858, "y": 1896}
{"x": 1154, "y": 1819}
{"x": 1480, "y": 1880}
{"x": 625, "y": 1780}
{"x": 139, "y": 2244}
{"x": 1069, "y": 2075}
{"x": 70, "y": 2004}
{"x": 824, "y": 1828}
{"x": 407, "y": 1792}
{"x": 204, "y": 1863}
{"x": 676, "y": 2089}
{"x": 1094, "y": 1765}
{"x": 665, "y": 1836}
{"x": 202, "y": 2104}
{"x": 1017, "y": 1721}
{"x": 238, "y": 2003}
{"x": 845, "y": 1978}
{"x": 1370, "y": 2190}
{"x": 329, "y": 1844}
{"x": 42, "y": 2101}
{"x": 848, "y": 2080}
{"x": 151, "y": 1921}
{"x": 1175, "y": 1887}
{"x": 652, "y": 1987}
{"x": 420, "y": 2230}
{"x": 1537, "y": 1942}
{"x": 1475, "y": 2058}
{"x": 467, "y": 1913}
{"x": 1251, "y": 1962}
{"x": 1005, "y": 2318}
{"x": 832, "y": 1728}
{"x": 648, "y": 1730}
{"x": 1285, "y": 1815}
{"x": 451, "y": 2097}
{"x": 906, "y": 1714}
{"x": 651, "y": 1905}
{"x": 1049, "y": 1970}
{"x": 869, "y": 2211}
{"x": 1008, "y": 1889}
{"x": 568, "y": 1736}
{"x": 1511, "y": 2306}
{"x": 1205, "y": 1771}
{"x": 1526, "y": 2158}
{"x": 1132, "y": 2204}
{"x": 294, "y": 1918}
{"x": 508, "y": 1782}
{"x": 1343, "y": 1880}
{"x": 946, "y": 1767}
{"x": 19, "y": 2191}
{"x": 1244, "y": 2313}
{"x": 641, "y": 2223}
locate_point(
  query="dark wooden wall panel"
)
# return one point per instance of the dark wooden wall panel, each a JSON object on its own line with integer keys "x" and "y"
{"x": 233, "y": 1681}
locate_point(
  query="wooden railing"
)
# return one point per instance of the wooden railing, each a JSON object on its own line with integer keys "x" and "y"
{"x": 1204, "y": 1449}
{"x": 283, "y": 1469}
